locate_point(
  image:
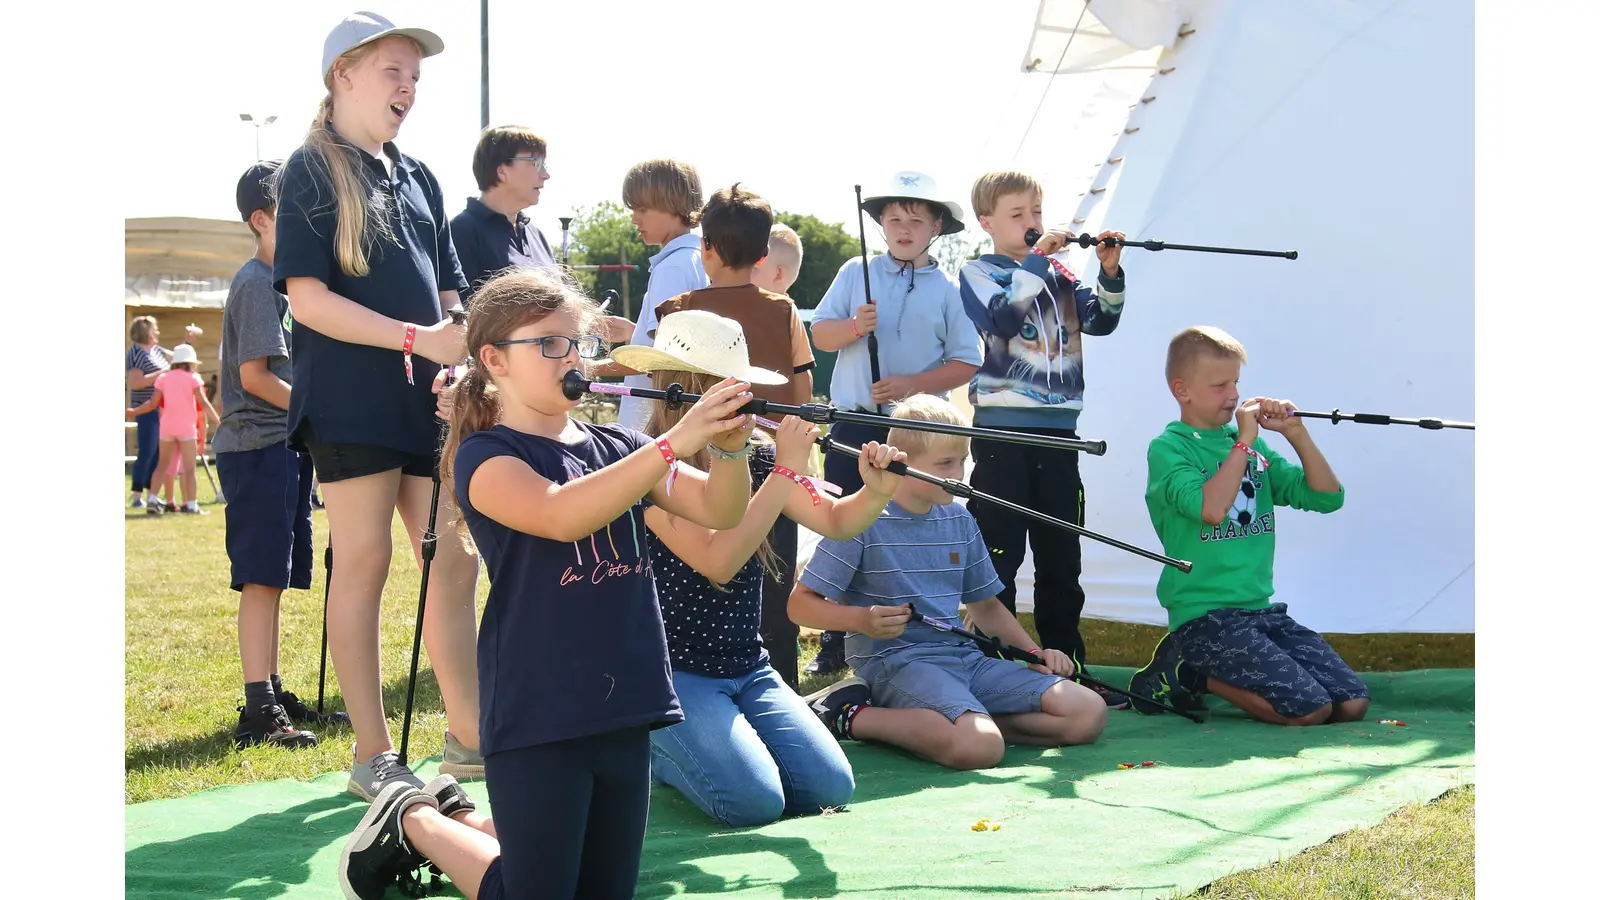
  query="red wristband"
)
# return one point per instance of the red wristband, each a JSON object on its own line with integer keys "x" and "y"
{"x": 853, "y": 326}
{"x": 786, "y": 472}
{"x": 672, "y": 462}
{"x": 411, "y": 341}
{"x": 1240, "y": 445}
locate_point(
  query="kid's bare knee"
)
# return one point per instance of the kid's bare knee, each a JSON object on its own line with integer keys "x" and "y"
{"x": 1315, "y": 718}
{"x": 1351, "y": 710}
{"x": 975, "y": 743}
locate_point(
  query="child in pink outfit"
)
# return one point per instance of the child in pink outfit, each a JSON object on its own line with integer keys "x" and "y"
{"x": 180, "y": 394}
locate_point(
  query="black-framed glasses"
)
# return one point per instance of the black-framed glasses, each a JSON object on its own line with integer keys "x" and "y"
{"x": 538, "y": 163}
{"x": 557, "y": 346}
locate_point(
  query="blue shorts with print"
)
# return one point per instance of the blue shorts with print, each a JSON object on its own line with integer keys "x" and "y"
{"x": 952, "y": 680}
{"x": 1267, "y": 653}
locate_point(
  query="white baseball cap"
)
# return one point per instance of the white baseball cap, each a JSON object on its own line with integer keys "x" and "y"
{"x": 365, "y": 27}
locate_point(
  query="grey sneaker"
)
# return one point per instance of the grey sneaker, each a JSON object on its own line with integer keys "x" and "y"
{"x": 459, "y": 761}
{"x": 368, "y": 779}
{"x": 451, "y": 797}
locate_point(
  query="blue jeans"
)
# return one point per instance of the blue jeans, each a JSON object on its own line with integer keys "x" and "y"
{"x": 749, "y": 750}
{"x": 144, "y": 465}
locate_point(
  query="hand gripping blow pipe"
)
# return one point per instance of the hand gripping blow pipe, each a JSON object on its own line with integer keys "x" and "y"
{"x": 1083, "y": 240}
{"x": 574, "y": 385}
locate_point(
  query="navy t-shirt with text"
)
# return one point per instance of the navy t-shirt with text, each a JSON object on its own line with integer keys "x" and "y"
{"x": 572, "y": 643}
{"x": 355, "y": 393}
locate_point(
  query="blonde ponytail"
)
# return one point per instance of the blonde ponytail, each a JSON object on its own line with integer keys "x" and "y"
{"x": 362, "y": 213}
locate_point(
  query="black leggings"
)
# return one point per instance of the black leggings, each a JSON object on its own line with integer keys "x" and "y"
{"x": 778, "y": 634}
{"x": 570, "y": 816}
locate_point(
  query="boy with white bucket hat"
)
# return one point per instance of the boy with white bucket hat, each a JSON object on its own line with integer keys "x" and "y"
{"x": 926, "y": 342}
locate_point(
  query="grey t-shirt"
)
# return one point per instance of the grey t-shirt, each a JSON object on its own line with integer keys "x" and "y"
{"x": 255, "y": 324}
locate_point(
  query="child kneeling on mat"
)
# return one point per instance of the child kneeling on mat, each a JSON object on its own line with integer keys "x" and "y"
{"x": 919, "y": 688}
{"x": 748, "y": 750}
{"x": 1211, "y": 493}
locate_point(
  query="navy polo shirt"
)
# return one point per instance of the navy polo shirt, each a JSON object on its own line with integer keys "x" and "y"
{"x": 488, "y": 244}
{"x": 353, "y": 393}
{"x": 572, "y": 642}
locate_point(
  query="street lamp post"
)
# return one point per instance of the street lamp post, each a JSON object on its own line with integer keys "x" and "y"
{"x": 246, "y": 117}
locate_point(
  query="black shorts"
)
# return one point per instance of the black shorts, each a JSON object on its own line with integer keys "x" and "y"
{"x": 268, "y": 516}
{"x": 1267, "y": 653}
{"x": 340, "y": 462}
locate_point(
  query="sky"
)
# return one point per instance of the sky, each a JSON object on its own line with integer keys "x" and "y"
{"x": 797, "y": 103}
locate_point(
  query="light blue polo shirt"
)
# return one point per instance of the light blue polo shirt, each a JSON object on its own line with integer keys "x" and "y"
{"x": 675, "y": 269}
{"x": 921, "y": 326}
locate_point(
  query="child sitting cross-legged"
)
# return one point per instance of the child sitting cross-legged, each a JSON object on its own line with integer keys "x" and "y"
{"x": 916, "y": 687}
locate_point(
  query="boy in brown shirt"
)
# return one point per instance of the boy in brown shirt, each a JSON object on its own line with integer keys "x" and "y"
{"x": 735, "y": 228}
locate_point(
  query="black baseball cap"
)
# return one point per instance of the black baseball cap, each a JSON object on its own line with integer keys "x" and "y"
{"x": 253, "y": 192}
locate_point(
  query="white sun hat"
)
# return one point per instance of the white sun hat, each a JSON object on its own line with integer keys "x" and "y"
{"x": 185, "y": 354}
{"x": 693, "y": 340}
{"x": 915, "y": 186}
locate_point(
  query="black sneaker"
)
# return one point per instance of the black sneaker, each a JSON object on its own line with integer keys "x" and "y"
{"x": 830, "y": 659}
{"x": 1167, "y": 678}
{"x": 377, "y": 855}
{"x": 835, "y": 704}
{"x": 305, "y": 715}
{"x": 452, "y": 797}
{"x": 269, "y": 725}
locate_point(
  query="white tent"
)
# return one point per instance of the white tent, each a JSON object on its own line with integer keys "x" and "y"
{"x": 1341, "y": 129}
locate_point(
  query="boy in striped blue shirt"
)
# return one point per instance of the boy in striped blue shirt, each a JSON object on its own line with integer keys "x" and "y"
{"x": 916, "y": 687}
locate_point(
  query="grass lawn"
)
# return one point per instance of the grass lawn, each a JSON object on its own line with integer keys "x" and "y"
{"x": 183, "y": 686}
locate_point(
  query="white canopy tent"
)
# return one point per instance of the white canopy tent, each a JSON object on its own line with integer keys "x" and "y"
{"x": 1341, "y": 129}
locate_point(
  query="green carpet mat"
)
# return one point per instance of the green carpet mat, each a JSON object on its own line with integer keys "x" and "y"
{"x": 1225, "y": 796}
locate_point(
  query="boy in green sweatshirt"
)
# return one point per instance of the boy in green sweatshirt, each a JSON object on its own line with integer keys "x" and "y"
{"x": 1212, "y": 493}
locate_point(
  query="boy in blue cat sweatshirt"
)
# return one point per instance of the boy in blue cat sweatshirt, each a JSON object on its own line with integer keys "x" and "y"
{"x": 1031, "y": 313}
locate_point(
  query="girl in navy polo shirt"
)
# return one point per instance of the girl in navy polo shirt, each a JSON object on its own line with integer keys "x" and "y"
{"x": 365, "y": 257}
{"x": 573, "y": 657}
{"x": 749, "y": 749}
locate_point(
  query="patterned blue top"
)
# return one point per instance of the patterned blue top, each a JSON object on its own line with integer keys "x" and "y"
{"x": 710, "y": 632}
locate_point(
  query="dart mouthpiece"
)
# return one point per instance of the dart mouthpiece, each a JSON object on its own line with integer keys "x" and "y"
{"x": 1032, "y": 236}
{"x": 574, "y": 385}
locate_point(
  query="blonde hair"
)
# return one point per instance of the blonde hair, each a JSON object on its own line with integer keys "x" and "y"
{"x": 362, "y": 214}
{"x": 991, "y": 186}
{"x": 662, "y": 419}
{"x": 1197, "y": 340}
{"x": 501, "y": 306}
{"x": 139, "y": 329}
{"x": 927, "y": 408}
{"x": 788, "y": 240}
{"x": 666, "y": 185}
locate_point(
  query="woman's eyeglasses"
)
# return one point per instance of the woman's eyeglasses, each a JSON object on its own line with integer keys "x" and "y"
{"x": 557, "y": 346}
{"x": 538, "y": 163}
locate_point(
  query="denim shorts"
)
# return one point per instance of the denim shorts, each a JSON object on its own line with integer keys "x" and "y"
{"x": 954, "y": 679}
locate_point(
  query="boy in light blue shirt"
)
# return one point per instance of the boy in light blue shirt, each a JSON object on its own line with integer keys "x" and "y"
{"x": 665, "y": 198}
{"x": 926, "y": 342}
{"x": 919, "y": 688}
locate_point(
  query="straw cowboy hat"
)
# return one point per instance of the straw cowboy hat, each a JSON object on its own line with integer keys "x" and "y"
{"x": 915, "y": 186}
{"x": 693, "y": 340}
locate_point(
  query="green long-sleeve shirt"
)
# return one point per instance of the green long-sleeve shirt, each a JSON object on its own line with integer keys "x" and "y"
{"x": 1233, "y": 560}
